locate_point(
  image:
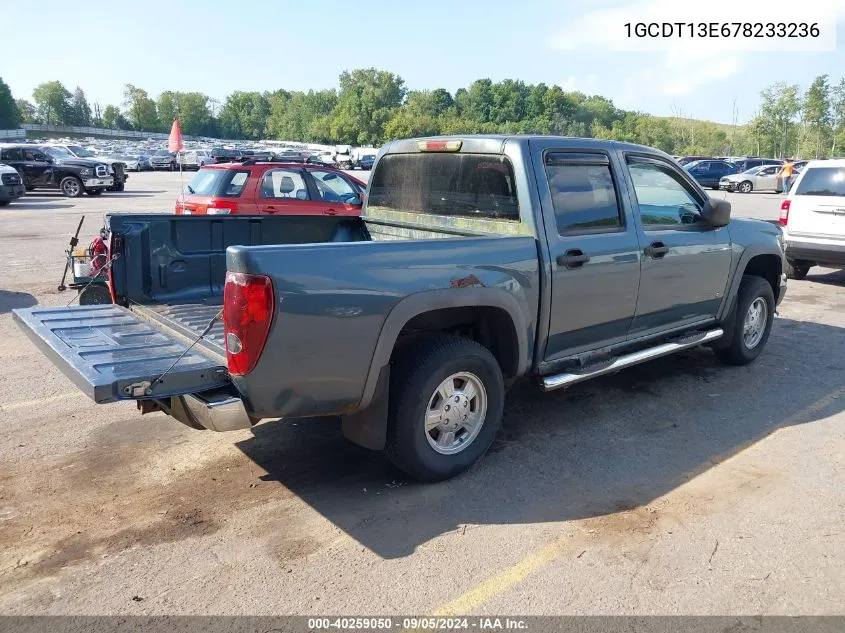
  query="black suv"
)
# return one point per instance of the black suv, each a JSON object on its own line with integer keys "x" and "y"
{"x": 72, "y": 177}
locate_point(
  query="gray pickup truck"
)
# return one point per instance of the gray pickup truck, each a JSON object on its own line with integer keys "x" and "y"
{"x": 477, "y": 261}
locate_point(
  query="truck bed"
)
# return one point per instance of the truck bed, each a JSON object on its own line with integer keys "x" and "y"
{"x": 187, "y": 321}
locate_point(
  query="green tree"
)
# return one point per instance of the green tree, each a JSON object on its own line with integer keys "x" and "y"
{"x": 27, "y": 111}
{"x": 52, "y": 103}
{"x": 779, "y": 105}
{"x": 837, "y": 113}
{"x": 302, "y": 116}
{"x": 244, "y": 115}
{"x": 366, "y": 102}
{"x": 113, "y": 119}
{"x": 167, "y": 109}
{"x": 817, "y": 114}
{"x": 80, "y": 110}
{"x": 141, "y": 110}
{"x": 10, "y": 115}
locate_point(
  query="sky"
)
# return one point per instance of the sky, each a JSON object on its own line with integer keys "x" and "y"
{"x": 217, "y": 47}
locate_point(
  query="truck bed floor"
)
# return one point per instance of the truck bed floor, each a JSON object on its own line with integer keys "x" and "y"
{"x": 188, "y": 320}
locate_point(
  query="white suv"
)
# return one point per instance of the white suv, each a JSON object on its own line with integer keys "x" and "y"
{"x": 813, "y": 218}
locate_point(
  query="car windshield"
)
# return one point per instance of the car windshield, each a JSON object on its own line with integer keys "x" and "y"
{"x": 58, "y": 152}
{"x": 161, "y": 152}
{"x": 79, "y": 151}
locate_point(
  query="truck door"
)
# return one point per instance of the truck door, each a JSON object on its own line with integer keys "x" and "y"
{"x": 595, "y": 255}
{"x": 686, "y": 261}
{"x": 38, "y": 167}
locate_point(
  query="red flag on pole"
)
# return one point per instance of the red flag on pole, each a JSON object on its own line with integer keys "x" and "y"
{"x": 174, "y": 143}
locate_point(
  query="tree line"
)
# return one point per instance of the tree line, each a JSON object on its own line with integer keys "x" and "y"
{"x": 371, "y": 106}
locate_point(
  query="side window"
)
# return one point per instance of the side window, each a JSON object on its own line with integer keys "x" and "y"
{"x": 236, "y": 184}
{"x": 332, "y": 186}
{"x": 663, "y": 198}
{"x": 583, "y": 193}
{"x": 768, "y": 171}
{"x": 11, "y": 153}
{"x": 32, "y": 155}
{"x": 283, "y": 183}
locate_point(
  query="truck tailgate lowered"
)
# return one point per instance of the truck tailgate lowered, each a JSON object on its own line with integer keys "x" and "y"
{"x": 111, "y": 354}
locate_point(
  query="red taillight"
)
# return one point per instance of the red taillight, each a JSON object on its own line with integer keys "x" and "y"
{"x": 784, "y": 212}
{"x": 247, "y": 313}
{"x": 221, "y": 207}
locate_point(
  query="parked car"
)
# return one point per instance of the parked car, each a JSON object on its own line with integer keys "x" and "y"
{"x": 222, "y": 155}
{"x": 11, "y": 184}
{"x": 760, "y": 178}
{"x": 813, "y": 217}
{"x": 194, "y": 159}
{"x": 162, "y": 159}
{"x": 133, "y": 163}
{"x": 65, "y": 152}
{"x": 478, "y": 261}
{"x": 708, "y": 173}
{"x": 685, "y": 160}
{"x": 71, "y": 176}
{"x": 746, "y": 163}
{"x": 276, "y": 188}
{"x": 366, "y": 163}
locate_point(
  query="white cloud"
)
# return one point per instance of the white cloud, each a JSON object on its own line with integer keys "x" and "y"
{"x": 587, "y": 84}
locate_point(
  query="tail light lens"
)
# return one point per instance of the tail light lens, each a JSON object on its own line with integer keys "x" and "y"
{"x": 784, "y": 212}
{"x": 247, "y": 314}
{"x": 221, "y": 207}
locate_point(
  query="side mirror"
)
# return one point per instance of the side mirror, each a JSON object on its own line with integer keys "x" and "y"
{"x": 716, "y": 212}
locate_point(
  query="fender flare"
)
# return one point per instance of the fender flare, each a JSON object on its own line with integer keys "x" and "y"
{"x": 747, "y": 255}
{"x": 429, "y": 300}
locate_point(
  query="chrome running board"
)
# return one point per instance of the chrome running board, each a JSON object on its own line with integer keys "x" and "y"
{"x": 556, "y": 381}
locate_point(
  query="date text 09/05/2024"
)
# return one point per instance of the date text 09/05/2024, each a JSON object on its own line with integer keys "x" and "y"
{"x": 721, "y": 29}
{"x": 417, "y": 624}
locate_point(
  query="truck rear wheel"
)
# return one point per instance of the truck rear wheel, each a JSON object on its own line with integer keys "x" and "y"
{"x": 446, "y": 401}
{"x": 755, "y": 312}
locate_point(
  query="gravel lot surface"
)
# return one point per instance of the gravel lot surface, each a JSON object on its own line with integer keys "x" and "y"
{"x": 678, "y": 487}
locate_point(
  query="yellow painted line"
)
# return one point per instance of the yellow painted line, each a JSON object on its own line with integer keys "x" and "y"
{"x": 502, "y": 581}
{"x": 512, "y": 576}
{"x": 25, "y": 404}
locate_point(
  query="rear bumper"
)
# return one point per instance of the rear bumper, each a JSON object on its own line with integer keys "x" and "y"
{"x": 821, "y": 252}
{"x": 216, "y": 410}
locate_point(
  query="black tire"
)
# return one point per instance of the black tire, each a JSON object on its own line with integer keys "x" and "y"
{"x": 71, "y": 187}
{"x": 119, "y": 187}
{"x": 95, "y": 294}
{"x": 172, "y": 166}
{"x": 94, "y": 192}
{"x": 417, "y": 372}
{"x": 4, "y": 203}
{"x": 29, "y": 188}
{"x": 736, "y": 351}
{"x": 797, "y": 269}
{"x": 745, "y": 186}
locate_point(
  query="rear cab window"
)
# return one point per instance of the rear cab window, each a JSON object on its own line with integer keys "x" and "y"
{"x": 227, "y": 183}
{"x": 822, "y": 181}
{"x": 450, "y": 185}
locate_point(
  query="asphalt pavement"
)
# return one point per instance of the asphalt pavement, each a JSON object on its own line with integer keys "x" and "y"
{"x": 678, "y": 487}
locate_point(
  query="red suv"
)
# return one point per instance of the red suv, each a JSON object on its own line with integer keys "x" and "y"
{"x": 266, "y": 188}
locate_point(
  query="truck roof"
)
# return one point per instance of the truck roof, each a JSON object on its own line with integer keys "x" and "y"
{"x": 494, "y": 143}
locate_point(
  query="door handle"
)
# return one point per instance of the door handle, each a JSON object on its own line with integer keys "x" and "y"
{"x": 656, "y": 250}
{"x": 331, "y": 211}
{"x": 573, "y": 258}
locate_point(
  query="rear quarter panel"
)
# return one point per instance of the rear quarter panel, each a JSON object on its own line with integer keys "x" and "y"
{"x": 335, "y": 301}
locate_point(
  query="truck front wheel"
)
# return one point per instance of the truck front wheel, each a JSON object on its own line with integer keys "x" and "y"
{"x": 446, "y": 401}
{"x": 755, "y": 312}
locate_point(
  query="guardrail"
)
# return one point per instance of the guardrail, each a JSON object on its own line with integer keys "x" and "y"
{"x": 12, "y": 134}
{"x": 106, "y": 132}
